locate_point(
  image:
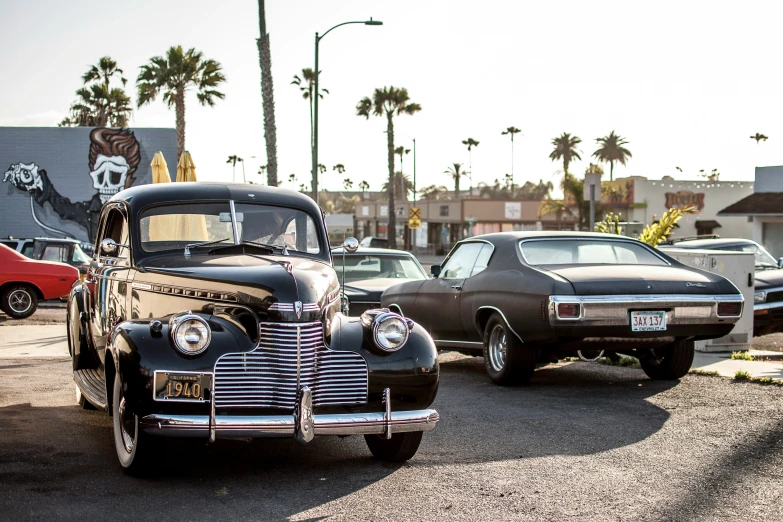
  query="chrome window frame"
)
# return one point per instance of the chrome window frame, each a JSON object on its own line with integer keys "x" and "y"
{"x": 464, "y": 242}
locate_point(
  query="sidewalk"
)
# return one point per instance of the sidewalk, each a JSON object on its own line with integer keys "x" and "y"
{"x": 33, "y": 341}
{"x": 726, "y": 367}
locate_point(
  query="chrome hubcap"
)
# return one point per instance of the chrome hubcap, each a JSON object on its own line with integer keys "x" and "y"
{"x": 20, "y": 301}
{"x": 497, "y": 348}
{"x": 127, "y": 425}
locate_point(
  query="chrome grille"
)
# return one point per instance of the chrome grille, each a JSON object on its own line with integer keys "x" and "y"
{"x": 267, "y": 376}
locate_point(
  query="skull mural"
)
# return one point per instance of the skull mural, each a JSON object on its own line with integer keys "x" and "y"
{"x": 113, "y": 159}
{"x": 109, "y": 175}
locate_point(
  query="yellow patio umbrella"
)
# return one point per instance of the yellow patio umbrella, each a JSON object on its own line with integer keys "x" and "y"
{"x": 160, "y": 227}
{"x": 160, "y": 171}
{"x": 190, "y": 227}
{"x": 186, "y": 169}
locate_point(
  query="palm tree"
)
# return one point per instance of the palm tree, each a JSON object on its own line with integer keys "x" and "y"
{"x": 388, "y": 102}
{"x": 174, "y": 75}
{"x": 565, "y": 149}
{"x": 364, "y": 186}
{"x": 347, "y": 184}
{"x": 340, "y": 168}
{"x": 470, "y": 143}
{"x": 759, "y": 137}
{"x": 233, "y": 160}
{"x": 456, "y": 173}
{"x": 306, "y": 85}
{"x": 511, "y": 131}
{"x": 400, "y": 151}
{"x": 98, "y": 104}
{"x": 268, "y": 96}
{"x": 433, "y": 192}
{"x": 402, "y": 185}
{"x": 612, "y": 148}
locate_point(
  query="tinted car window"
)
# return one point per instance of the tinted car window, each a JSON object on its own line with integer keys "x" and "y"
{"x": 587, "y": 251}
{"x": 57, "y": 253}
{"x": 11, "y": 244}
{"x": 461, "y": 262}
{"x": 27, "y": 250}
{"x": 358, "y": 268}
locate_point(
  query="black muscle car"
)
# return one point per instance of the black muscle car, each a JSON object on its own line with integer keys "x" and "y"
{"x": 370, "y": 271}
{"x": 212, "y": 311}
{"x": 768, "y": 280}
{"x": 520, "y": 298}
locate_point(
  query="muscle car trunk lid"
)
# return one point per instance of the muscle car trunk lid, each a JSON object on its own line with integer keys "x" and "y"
{"x": 633, "y": 279}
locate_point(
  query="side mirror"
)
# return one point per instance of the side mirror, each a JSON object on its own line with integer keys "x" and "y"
{"x": 110, "y": 248}
{"x": 435, "y": 270}
{"x": 351, "y": 244}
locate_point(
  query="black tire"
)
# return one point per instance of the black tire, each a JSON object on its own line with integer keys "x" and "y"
{"x": 518, "y": 362}
{"x": 138, "y": 452}
{"x": 670, "y": 362}
{"x": 19, "y": 301}
{"x": 399, "y": 448}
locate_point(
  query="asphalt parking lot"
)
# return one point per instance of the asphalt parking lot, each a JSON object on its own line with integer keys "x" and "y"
{"x": 583, "y": 442}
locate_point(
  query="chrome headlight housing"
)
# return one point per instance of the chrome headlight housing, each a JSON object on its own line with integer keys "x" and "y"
{"x": 760, "y": 297}
{"x": 190, "y": 333}
{"x": 389, "y": 330}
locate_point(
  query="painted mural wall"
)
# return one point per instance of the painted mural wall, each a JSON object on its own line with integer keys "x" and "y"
{"x": 56, "y": 179}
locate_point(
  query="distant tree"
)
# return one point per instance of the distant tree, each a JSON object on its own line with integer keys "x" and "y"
{"x": 340, "y": 168}
{"x": 268, "y": 96}
{"x": 306, "y": 84}
{"x": 99, "y": 104}
{"x": 759, "y": 137}
{"x": 511, "y": 131}
{"x": 712, "y": 176}
{"x": 233, "y": 160}
{"x": 402, "y": 185}
{"x": 456, "y": 172}
{"x": 401, "y": 151}
{"x": 470, "y": 143}
{"x": 364, "y": 186}
{"x": 565, "y": 149}
{"x": 172, "y": 76}
{"x": 434, "y": 192}
{"x": 612, "y": 148}
{"x": 388, "y": 102}
{"x": 347, "y": 184}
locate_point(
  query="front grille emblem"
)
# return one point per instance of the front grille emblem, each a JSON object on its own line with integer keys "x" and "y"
{"x": 298, "y": 309}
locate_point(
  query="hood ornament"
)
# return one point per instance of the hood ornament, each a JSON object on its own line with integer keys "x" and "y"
{"x": 298, "y": 309}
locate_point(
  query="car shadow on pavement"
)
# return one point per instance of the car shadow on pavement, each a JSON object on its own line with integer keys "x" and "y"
{"x": 573, "y": 409}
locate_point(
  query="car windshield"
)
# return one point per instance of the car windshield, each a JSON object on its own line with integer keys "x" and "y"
{"x": 763, "y": 258}
{"x": 79, "y": 256}
{"x": 362, "y": 267}
{"x": 588, "y": 251}
{"x": 175, "y": 226}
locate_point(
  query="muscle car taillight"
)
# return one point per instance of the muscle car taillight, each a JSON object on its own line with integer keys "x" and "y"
{"x": 729, "y": 309}
{"x": 568, "y": 310}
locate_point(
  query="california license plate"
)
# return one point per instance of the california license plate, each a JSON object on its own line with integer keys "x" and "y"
{"x": 648, "y": 321}
{"x": 182, "y": 386}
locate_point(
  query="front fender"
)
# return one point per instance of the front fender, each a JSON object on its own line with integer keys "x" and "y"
{"x": 411, "y": 373}
{"x": 137, "y": 352}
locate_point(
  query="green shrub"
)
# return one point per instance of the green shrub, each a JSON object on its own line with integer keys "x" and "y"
{"x": 742, "y": 375}
{"x": 741, "y": 356}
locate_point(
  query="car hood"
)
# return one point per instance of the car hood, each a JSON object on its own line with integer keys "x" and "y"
{"x": 769, "y": 278}
{"x": 640, "y": 280}
{"x": 373, "y": 287}
{"x": 256, "y": 280}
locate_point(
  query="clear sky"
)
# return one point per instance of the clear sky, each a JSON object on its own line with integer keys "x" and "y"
{"x": 686, "y": 82}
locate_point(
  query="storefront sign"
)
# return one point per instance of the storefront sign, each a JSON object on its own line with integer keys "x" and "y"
{"x": 513, "y": 210}
{"x": 685, "y": 198}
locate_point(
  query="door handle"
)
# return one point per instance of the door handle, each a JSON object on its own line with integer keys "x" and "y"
{"x": 457, "y": 287}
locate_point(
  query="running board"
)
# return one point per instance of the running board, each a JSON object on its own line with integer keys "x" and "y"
{"x": 92, "y": 383}
{"x": 459, "y": 345}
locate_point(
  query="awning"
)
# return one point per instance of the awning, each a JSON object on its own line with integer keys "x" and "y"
{"x": 707, "y": 223}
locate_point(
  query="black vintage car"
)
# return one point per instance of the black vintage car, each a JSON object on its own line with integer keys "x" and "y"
{"x": 368, "y": 272}
{"x": 768, "y": 280}
{"x": 521, "y": 298}
{"x": 212, "y": 311}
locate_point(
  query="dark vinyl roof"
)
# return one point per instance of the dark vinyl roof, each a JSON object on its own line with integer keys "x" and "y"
{"x": 367, "y": 251}
{"x": 759, "y": 203}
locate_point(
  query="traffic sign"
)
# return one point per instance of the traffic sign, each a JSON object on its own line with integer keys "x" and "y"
{"x": 414, "y": 213}
{"x": 414, "y": 223}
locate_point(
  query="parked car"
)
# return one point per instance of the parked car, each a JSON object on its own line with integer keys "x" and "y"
{"x": 61, "y": 250}
{"x": 23, "y": 282}
{"x": 370, "y": 271}
{"x": 211, "y": 311}
{"x": 768, "y": 280}
{"x": 374, "y": 242}
{"x": 519, "y": 298}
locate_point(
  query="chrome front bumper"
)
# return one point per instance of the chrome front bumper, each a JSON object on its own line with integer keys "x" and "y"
{"x": 301, "y": 425}
{"x": 614, "y": 310}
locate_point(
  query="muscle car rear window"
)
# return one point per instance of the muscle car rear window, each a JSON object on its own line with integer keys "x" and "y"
{"x": 586, "y": 251}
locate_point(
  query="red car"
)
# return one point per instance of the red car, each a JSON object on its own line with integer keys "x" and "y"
{"x": 24, "y": 281}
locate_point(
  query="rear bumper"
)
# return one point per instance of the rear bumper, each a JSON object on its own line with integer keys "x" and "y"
{"x": 233, "y": 426}
{"x": 768, "y": 318}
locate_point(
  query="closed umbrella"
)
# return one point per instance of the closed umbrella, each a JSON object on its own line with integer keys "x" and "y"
{"x": 186, "y": 169}
{"x": 191, "y": 227}
{"x": 160, "y": 227}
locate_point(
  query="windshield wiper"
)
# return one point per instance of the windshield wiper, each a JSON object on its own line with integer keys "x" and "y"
{"x": 203, "y": 243}
{"x": 268, "y": 248}
{"x": 282, "y": 247}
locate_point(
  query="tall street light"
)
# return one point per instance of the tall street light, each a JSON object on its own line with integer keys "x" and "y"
{"x": 318, "y": 38}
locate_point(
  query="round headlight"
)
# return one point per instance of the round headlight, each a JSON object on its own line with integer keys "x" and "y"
{"x": 390, "y": 332}
{"x": 191, "y": 334}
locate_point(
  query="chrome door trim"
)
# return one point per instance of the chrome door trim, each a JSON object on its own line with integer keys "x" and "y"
{"x": 504, "y": 320}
